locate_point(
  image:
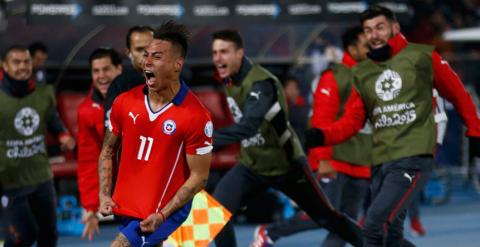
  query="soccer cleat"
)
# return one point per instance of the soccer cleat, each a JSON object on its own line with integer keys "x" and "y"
{"x": 261, "y": 238}
{"x": 417, "y": 227}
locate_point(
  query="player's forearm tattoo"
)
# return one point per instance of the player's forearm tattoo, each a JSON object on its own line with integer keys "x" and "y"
{"x": 105, "y": 164}
{"x": 183, "y": 195}
{"x": 108, "y": 146}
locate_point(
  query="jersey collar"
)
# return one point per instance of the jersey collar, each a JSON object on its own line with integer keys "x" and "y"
{"x": 179, "y": 97}
{"x": 348, "y": 60}
{"x": 182, "y": 93}
{"x": 237, "y": 78}
{"x": 397, "y": 43}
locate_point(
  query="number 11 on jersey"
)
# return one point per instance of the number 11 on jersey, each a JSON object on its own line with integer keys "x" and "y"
{"x": 143, "y": 141}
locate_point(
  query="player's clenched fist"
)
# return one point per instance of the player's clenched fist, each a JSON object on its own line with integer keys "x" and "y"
{"x": 106, "y": 205}
{"x": 151, "y": 222}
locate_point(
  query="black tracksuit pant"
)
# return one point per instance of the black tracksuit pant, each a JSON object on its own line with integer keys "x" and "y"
{"x": 299, "y": 184}
{"x": 393, "y": 186}
{"x": 345, "y": 192}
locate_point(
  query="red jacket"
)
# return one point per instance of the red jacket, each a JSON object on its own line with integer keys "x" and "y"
{"x": 90, "y": 139}
{"x": 326, "y": 105}
{"x": 446, "y": 82}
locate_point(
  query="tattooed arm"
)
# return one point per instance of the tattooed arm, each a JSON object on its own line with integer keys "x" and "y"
{"x": 105, "y": 173}
{"x": 199, "y": 168}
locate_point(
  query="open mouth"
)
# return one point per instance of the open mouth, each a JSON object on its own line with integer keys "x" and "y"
{"x": 377, "y": 43}
{"x": 149, "y": 74}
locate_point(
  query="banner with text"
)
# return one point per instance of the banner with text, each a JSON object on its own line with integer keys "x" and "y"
{"x": 195, "y": 12}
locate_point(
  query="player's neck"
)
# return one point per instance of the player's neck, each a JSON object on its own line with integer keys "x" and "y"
{"x": 158, "y": 99}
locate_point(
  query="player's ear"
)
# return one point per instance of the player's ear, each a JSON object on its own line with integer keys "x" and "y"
{"x": 129, "y": 54}
{"x": 396, "y": 28}
{"x": 4, "y": 66}
{"x": 240, "y": 52}
{"x": 120, "y": 68}
{"x": 179, "y": 64}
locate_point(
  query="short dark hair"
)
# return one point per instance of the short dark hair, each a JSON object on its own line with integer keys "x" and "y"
{"x": 137, "y": 29}
{"x": 229, "y": 35}
{"x": 13, "y": 48}
{"x": 37, "y": 46}
{"x": 350, "y": 36}
{"x": 377, "y": 10}
{"x": 175, "y": 33}
{"x": 102, "y": 52}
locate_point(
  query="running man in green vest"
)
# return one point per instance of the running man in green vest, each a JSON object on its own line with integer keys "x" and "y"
{"x": 393, "y": 89}
{"x": 344, "y": 169}
{"x": 28, "y": 110}
{"x": 271, "y": 154}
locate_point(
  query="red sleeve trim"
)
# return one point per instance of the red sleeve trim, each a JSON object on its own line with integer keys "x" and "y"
{"x": 326, "y": 101}
{"x": 349, "y": 124}
{"x": 449, "y": 85}
{"x": 326, "y": 104}
{"x": 317, "y": 154}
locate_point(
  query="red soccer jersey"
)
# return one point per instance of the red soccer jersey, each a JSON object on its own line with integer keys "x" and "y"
{"x": 153, "y": 163}
{"x": 326, "y": 105}
{"x": 89, "y": 143}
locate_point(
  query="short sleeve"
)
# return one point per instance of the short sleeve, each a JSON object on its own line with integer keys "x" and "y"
{"x": 198, "y": 139}
{"x": 114, "y": 121}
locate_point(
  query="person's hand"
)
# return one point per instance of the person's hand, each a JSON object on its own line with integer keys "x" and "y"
{"x": 106, "y": 205}
{"x": 67, "y": 142}
{"x": 314, "y": 138}
{"x": 91, "y": 225}
{"x": 151, "y": 222}
{"x": 325, "y": 169}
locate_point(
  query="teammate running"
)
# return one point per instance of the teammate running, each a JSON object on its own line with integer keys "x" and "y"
{"x": 393, "y": 89}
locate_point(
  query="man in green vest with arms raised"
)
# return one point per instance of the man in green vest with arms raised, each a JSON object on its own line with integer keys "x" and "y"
{"x": 271, "y": 154}
{"x": 393, "y": 89}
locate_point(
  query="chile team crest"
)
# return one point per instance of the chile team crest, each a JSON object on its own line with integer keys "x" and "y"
{"x": 169, "y": 127}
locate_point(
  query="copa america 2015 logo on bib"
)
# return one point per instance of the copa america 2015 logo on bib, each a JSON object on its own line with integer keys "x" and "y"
{"x": 388, "y": 85}
{"x": 169, "y": 127}
{"x": 27, "y": 121}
